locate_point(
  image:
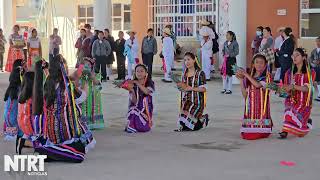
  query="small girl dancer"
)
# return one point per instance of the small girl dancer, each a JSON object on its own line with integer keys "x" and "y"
{"x": 10, "y": 126}
{"x": 256, "y": 123}
{"x": 140, "y": 101}
{"x": 193, "y": 89}
{"x": 298, "y": 105}
{"x": 92, "y": 107}
{"x": 230, "y": 51}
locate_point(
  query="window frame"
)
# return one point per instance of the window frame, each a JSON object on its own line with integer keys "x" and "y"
{"x": 154, "y": 13}
{"x": 306, "y": 11}
{"x": 123, "y": 11}
{"x": 86, "y": 17}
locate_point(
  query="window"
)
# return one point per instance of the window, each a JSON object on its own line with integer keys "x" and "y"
{"x": 184, "y": 15}
{"x": 310, "y": 18}
{"x": 85, "y": 14}
{"x": 121, "y": 17}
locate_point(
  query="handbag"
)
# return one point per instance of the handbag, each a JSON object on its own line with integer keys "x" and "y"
{"x": 269, "y": 54}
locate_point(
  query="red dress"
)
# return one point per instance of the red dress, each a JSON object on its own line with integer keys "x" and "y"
{"x": 14, "y": 53}
{"x": 257, "y": 123}
{"x": 298, "y": 105}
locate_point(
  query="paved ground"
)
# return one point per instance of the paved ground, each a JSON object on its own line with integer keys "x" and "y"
{"x": 217, "y": 152}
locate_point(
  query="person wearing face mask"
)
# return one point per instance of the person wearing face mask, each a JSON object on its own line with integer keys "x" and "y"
{"x": 255, "y": 45}
{"x": 315, "y": 64}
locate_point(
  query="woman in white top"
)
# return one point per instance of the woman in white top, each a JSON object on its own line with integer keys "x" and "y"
{"x": 16, "y": 48}
{"x": 132, "y": 46}
{"x": 168, "y": 54}
{"x": 34, "y": 48}
{"x": 206, "y": 54}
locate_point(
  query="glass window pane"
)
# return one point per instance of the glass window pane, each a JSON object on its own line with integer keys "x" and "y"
{"x": 90, "y": 11}
{"x": 310, "y": 24}
{"x": 116, "y": 9}
{"x": 127, "y": 7}
{"x": 116, "y": 24}
{"x": 310, "y": 4}
{"x": 81, "y": 21}
{"x": 81, "y": 11}
{"x": 127, "y": 17}
{"x": 90, "y": 20}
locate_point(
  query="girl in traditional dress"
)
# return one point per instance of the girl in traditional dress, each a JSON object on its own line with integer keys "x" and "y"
{"x": 193, "y": 100}
{"x": 34, "y": 48}
{"x": 256, "y": 121}
{"x": 230, "y": 52}
{"x": 298, "y": 84}
{"x": 10, "y": 114}
{"x": 92, "y": 107}
{"x": 25, "y": 115}
{"x": 15, "y": 52}
{"x": 62, "y": 99}
{"x": 140, "y": 101}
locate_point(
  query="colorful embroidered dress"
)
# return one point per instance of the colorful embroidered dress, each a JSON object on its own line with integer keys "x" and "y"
{"x": 14, "y": 53}
{"x": 193, "y": 103}
{"x": 140, "y": 113}
{"x": 257, "y": 122}
{"x": 25, "y": 118}
{"x": 92, "y": 108}
{"x": 10, "y": 126}
{"x": 299, "y": 104}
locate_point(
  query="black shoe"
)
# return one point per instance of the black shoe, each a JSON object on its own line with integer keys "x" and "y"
{"x": 223, "y": 91}
{"x": 108, "y": 78}
{"x": 166, "y": 81}
{"x": 208, "y": 80}
{"x": 317, "y": 99}
{"x": 20, "y": 144}
{"x": 173, "y": 69}
{"x": 206, "y": 119}
{"x": 283, "y": 135}
{"x": 228, "y": 92}
{"x": 310, "y": 121}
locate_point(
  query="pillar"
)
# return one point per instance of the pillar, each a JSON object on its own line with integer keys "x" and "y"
{"x": 102, "y": 14}
{"x": 232, "y": 16}
{"x": 6, "y": 16}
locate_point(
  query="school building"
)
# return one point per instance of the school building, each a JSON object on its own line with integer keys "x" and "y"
{"x": 240, "y": 16}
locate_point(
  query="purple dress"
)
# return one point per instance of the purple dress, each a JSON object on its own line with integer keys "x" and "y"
{"x": 140, "y": 114}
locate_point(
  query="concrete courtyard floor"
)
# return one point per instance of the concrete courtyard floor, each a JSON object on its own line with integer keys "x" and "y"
{"x": 215, "y": 153}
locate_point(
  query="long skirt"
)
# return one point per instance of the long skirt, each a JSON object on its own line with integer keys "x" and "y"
{"x": 10, "y": 126}
{"x": 92, "y": 109}
{"x": 33, "y": 53}
{"x": 137, "y": 121}
{"x": 296, "y": 121}
{"x": 189, "y": 123}
{"x": 13, "y": 55}
{"x": 256, "y": 129}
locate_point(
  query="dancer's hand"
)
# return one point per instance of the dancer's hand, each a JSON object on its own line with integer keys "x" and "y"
{"x": 188, "y": 88}
{"x": 288, "y": 88}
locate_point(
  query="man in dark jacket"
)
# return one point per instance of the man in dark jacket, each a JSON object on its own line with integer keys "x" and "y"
{"x": 148, "y": 50}
{"x": 110, "y": 58}
{"x": 121, "y": 59}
